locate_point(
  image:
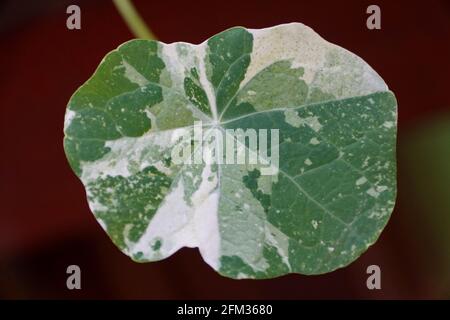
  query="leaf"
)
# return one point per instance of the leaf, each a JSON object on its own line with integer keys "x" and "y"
{"x": 326, "y": 201}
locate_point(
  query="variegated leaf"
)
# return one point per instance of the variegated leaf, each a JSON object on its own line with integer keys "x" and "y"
{"x": 325, "y": 202}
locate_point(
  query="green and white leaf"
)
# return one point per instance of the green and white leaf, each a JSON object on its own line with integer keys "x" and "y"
{"x": 336, "y": 184}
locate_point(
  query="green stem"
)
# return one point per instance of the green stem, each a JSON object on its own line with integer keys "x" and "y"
{"x": 133, "y": 20}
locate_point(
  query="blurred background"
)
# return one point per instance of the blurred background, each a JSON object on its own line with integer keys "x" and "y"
{"x": 45, "y": 222}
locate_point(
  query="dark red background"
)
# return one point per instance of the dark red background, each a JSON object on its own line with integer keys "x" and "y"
{"x": 45, "y": 223}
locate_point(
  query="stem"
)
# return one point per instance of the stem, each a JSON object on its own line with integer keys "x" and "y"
{"x": 133, "y": 20}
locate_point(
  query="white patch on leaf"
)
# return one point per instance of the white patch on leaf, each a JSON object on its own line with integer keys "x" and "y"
{"x": 70, "y": 115}
{"x": 133, "y": 75}
{"x": 280, "y": 241}
{"x": 302, "y": 46}
{"x": 375, "y": 191}
{"x": 172, "y": 223}
{"x": 388, "y": 124}
{"x": 206, "y": 223}
{"x": 313, "y": 123}
{"x": 361, "y": 181}
{"x": 291, "y": 117}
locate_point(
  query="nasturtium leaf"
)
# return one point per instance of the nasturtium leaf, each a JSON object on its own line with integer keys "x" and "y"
{"x": 320, "y": 207}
